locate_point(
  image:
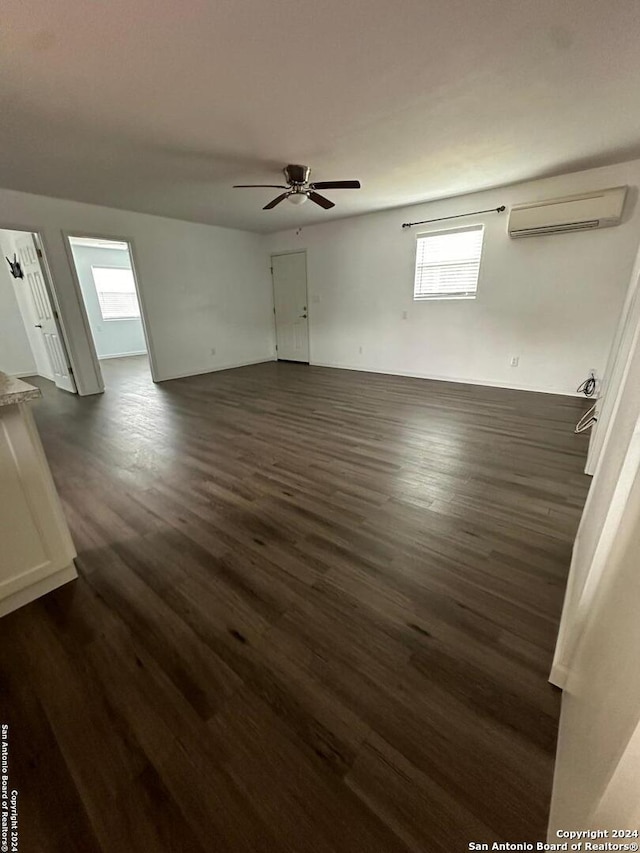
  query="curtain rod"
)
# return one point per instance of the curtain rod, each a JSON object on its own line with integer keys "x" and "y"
{"x": 457, "y": 216}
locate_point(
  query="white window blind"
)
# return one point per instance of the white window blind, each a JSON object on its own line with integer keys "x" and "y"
{"x": 116, "y": 291}
{"x": 448, "y": 263}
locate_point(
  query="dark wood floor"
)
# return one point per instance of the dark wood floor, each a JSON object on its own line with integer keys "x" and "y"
{"x": 316, "y": 612}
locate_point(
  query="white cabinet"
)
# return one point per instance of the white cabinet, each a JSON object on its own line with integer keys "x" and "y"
{"x": 36, "y": 551}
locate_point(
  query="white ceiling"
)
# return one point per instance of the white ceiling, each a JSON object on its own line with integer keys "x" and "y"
{"x": 160, "y": 105}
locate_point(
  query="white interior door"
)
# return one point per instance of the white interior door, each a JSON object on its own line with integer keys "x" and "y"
{"x": 47, "y": 323}
{"x": 290, "y": 300}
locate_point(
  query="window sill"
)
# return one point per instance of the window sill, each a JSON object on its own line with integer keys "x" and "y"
{"x": 442, "y": 298}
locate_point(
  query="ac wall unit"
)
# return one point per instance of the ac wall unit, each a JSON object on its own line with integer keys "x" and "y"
{"x": 575, "y": 213}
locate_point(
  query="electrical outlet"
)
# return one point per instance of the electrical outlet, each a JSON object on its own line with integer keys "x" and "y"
{"x": 405, "y": 315}
{"x": 360, "y": 350}
{"x": 213, "y": 350}
{"x": 515, "y": 360}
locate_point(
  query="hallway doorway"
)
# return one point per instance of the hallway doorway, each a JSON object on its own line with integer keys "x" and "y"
{"x": 107, "y": 284}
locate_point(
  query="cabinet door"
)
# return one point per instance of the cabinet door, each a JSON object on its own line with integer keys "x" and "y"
{"x": 34, "y": 539}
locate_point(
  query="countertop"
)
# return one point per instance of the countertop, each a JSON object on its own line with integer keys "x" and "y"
{"x": 14, "y": 391}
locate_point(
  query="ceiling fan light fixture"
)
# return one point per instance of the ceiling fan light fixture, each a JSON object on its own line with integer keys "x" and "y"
{"x": 297, "y": 198}
{"x": 299, "y": 188}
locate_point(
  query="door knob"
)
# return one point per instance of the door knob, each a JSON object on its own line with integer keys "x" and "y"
{"x": 38, "y": 325}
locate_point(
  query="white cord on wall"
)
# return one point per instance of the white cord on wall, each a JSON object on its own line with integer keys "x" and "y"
{"x": 587, "y": 420}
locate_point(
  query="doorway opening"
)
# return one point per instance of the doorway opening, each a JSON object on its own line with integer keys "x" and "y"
{"x": 291, "y": 306}
{"x": 106, "y": 281}
{"x": 32, "y": 341}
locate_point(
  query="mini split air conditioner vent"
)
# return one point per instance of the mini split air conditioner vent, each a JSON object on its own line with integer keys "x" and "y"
{"x": 599, "y": 209}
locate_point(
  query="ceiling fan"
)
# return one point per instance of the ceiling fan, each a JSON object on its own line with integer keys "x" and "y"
{"x": 299, "y": 189}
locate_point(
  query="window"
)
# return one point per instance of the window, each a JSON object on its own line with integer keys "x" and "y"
{"x": 448, "y": 263}
{"x": 116, "y": 291}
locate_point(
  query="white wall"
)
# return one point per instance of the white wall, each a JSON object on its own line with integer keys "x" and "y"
{"x": 597, "y": 773}
{"x": 598, "y": 529}
{"x": 111, "y": 337}
{"x": 598, "y": 759}
{"x": 552, "y": 301}
{"x": 617, "y": 364}
{"x": 202, "y": 287}
{"x": 16, "y": 357}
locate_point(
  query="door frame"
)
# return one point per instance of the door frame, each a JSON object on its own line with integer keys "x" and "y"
{"x": 67, "y": 234}
{"x": 306, "y": 287}
{"x": 49, "y": 282}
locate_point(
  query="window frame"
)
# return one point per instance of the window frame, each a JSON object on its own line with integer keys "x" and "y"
{"x": 443, "y": 295}
{"x": 137, "y": 316}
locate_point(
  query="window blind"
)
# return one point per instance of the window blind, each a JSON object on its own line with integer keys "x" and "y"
{"x": 448, "y": 263}
{"x": 116, "y": 290}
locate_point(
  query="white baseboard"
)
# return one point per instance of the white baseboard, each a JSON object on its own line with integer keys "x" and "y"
{"x": 559, "y": 675}
{"x": 359, "y": 368}
{"x": 42, "y": 587}
{"x": 122, "y": 355}
{"x": 30, "y": 373}
{"x": 437, "y": 378}
{"x": 215, "y": 369}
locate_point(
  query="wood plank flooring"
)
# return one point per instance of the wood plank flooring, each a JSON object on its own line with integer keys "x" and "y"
{"x": 316, "y": 612}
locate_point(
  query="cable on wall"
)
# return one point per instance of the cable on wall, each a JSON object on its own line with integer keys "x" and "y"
{"x": 587, "y": 387}
{"x": 587, "y": 420}
{"x": 500, "y": 209}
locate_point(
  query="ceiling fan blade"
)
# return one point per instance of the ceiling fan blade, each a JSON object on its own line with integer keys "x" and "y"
{"x": 274, "y": 186}
{"x": 276, "y": 200}
{"x": 321, "y": 200}
{"x": 335, "y": 185}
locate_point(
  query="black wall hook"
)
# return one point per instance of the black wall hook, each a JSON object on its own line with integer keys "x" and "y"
{"x": 14, "y": 267}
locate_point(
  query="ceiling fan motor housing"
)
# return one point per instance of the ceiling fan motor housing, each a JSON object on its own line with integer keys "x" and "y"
{"x": 298, "y": 188}
{"x": 296, "y": 175}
